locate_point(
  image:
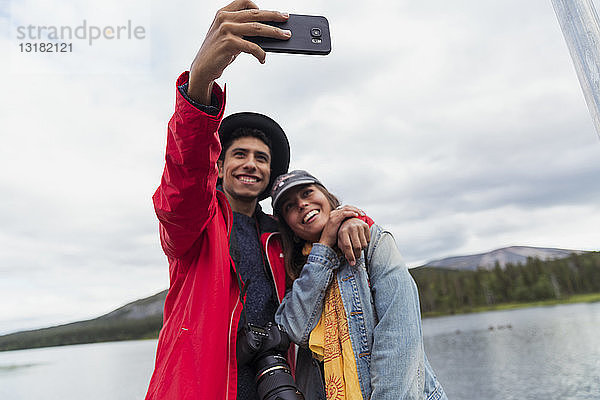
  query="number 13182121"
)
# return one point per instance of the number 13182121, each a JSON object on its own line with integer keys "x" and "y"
{"x": 43, "y": 47}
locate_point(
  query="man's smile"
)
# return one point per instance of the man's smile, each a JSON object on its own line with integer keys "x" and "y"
{"x": 248, "y": 179}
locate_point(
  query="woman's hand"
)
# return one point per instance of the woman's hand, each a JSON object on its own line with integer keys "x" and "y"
{"x": 329, "y": 236}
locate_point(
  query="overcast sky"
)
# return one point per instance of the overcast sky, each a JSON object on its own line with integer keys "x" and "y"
{"x": 460, "y": 126}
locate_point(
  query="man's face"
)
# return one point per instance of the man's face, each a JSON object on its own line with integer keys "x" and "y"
{"x": 246, "y": 168}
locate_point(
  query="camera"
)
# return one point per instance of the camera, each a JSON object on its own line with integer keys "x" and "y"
{"x": 264, "y": 349}
{"x": 315, "y": 32}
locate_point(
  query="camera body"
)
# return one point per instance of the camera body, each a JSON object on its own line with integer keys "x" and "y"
{"x": 264, "y": 349}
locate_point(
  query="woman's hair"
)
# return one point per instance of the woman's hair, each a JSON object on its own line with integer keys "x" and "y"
{"x": 292, "y": 244}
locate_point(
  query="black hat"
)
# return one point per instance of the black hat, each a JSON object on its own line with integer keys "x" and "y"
{"x": 280, "y": 147}
{"x": 285, "y": 182}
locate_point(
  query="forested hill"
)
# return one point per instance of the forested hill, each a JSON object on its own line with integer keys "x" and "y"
{"x": 442, "y": 291}
{"x": 446, "y": 291}
{"x": 137, "y": 320}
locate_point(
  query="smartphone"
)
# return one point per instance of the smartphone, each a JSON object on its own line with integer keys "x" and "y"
{"x": 310, "y": 35}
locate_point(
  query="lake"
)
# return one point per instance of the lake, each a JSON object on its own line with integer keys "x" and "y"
{"x": 535, "y": 353}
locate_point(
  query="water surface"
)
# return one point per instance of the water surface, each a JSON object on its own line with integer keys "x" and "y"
{"x": 540, "y": 353}
{"x": 535, "y": 353}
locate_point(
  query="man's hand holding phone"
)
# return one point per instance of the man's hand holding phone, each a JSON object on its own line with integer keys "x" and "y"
{"x": 224, "y": 42}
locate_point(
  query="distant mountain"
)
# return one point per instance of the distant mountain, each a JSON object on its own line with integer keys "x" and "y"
{"x": 148, "y": 307}
{"x": 140, "y": 319}
{"x": 507, "y": 255}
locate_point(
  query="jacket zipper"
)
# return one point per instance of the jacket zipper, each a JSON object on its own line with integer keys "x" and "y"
{"x": 237, "y": 303}
{"x": 229, "y": 223}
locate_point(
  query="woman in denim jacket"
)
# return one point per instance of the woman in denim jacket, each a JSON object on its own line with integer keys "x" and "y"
{"x": 379, "y": 297}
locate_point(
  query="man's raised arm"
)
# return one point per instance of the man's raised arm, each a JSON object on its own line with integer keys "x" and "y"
{"x": 186, "y": 198}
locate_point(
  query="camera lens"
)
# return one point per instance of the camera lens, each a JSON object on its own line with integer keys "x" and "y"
{"x": 316, "y": 32}
{"x": 274, "y": 379}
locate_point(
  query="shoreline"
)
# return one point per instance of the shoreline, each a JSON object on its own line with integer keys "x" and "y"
{"x": 577, "y": 298}
{"x": 580, "y": 298}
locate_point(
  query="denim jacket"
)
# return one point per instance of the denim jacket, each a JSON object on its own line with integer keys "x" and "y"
{"x": 382, "y": 306}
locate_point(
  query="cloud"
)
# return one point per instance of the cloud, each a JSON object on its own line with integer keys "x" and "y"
{"x": 458, "y": 126}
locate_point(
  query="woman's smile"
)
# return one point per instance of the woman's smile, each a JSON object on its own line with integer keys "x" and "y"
{"x": 309, "y": 216}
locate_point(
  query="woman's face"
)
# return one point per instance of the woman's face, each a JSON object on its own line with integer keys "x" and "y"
{"x": 306, "y": 211}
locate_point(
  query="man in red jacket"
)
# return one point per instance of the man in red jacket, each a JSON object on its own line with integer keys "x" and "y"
{"x": 212, "y": 229}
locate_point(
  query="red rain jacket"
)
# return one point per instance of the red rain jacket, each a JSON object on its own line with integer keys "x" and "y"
{"x": 196, "y": 351}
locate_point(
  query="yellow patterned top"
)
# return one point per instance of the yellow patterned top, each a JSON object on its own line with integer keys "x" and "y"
{"x": 330, "y": 342}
